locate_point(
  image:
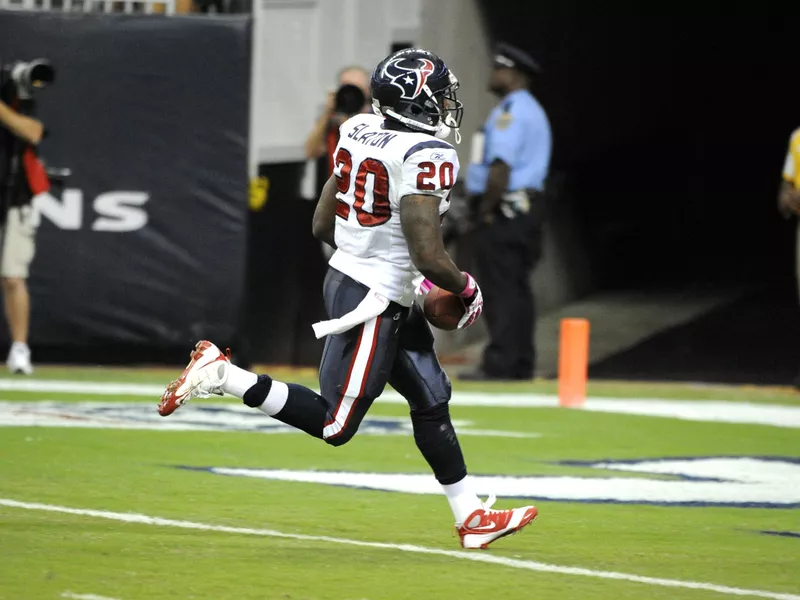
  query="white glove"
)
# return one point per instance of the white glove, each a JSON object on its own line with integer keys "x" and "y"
{"x": 471, "y": 295}
{"x": 473, "y": 301}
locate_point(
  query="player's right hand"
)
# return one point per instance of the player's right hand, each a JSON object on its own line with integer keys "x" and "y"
{"x": 473, "y": 301}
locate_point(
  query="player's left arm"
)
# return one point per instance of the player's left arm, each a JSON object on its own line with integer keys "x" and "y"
{"x": 429, "y": 174}
{"x": 324, "y": 223}
{"x": 429, "y": 171}
{"x": 419, "y": 218}
{"x": 422, "y": 228}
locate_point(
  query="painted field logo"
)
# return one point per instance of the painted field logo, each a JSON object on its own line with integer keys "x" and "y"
{"x": 750, "y": 482}
{"x": 199, "y": 417}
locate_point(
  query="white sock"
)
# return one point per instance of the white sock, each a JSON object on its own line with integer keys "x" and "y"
{"x": 276, "y": 399}
{"x": 239, "y": 381}
{"x": 463, "y": 500}
{"x": 19, "y": 346}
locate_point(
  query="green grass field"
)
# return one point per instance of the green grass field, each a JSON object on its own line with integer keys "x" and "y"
{"x": 253, "y": 538}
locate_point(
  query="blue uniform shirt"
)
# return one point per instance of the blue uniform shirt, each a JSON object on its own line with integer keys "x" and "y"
{"x": 518, "y": 133}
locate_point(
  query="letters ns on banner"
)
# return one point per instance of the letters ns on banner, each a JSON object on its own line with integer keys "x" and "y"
{"x": 119, "y": 211}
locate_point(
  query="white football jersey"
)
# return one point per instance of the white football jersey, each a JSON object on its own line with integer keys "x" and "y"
{"x": 374, "y": 168}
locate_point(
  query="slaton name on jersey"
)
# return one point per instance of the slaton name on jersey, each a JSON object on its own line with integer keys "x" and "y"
{"x": 370, "y": 138}
{"x": 374, "y": 169}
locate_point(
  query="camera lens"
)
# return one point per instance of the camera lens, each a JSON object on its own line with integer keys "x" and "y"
{"x": 349, "y": 99}
{"x": 41, "y": 73}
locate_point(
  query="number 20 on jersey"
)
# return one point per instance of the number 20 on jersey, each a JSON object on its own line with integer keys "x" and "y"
{"x": 381, "y": 210}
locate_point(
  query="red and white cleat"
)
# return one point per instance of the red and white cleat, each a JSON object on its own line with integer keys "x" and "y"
{"x": 204, "y": 375}
{"x": 484, "y": 525}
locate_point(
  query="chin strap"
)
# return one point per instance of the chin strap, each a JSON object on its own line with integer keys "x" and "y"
{"x": 410, "y": 122}
{"x": 451, "y": 125}
{"x": 442, "y": 130}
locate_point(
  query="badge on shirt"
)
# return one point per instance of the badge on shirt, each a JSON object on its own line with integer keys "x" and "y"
{"x": 503, "y": 121}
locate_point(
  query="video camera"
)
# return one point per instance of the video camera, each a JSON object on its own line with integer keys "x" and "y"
{"x": 22, "y": 78}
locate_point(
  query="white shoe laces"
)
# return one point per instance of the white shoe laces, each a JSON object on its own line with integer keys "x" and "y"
{"x": 209, "y": 383}
{"x": 489, "y": 502}
{"x": 206, "y": 389}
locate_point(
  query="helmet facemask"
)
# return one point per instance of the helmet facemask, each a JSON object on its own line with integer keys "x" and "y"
{"x": 451, "y": 112}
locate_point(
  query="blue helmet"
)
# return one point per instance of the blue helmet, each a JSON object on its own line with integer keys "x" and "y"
{"x": 415, "y": 88}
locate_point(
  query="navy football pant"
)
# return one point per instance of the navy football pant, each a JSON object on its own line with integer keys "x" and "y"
{"x": 396, "y": 347}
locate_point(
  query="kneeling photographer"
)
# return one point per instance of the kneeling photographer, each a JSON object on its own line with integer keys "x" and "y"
{"x": 22, "y": 176}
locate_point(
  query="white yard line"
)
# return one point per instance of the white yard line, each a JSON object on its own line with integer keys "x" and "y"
{"x": 703, "y": 410}
{"x": 74, "y": 596}
{"x": 459, "y": 555}
{"x": 81, "y": 387}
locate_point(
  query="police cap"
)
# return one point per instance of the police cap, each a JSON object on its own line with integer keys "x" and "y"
{"x": 506, "y": 55}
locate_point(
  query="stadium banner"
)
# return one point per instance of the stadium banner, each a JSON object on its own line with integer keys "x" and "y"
{"x": 143, "y": 245}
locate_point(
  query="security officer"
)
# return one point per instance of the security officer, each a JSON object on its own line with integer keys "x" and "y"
{"x": 506, "y": 198}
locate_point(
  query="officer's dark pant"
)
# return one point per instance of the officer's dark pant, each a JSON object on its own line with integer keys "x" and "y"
{"x": 506, "y": 253}
{"x": 396, "y": 347}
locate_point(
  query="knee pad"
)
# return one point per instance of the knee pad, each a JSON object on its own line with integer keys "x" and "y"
{"x": 433, "y": 422}
{"x": 434, "y": 412}
{"x": 436, "y": 439}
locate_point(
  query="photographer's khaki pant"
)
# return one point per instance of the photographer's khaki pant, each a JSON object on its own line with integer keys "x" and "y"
{"x": 19, "y": 244}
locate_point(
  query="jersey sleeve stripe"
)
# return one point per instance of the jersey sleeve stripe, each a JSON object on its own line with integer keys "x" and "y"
{"x": 426, "y": 145}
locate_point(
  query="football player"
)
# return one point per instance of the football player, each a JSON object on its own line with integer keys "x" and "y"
{"x": 381, "y": 210}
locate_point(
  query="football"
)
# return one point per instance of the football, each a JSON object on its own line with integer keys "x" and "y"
{"x": 443, "y": 309}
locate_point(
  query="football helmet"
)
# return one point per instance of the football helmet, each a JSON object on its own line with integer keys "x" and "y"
{"x": 416, "y": 88}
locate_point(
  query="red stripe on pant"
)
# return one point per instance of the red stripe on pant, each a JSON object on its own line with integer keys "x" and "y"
{"x": 363, "y": 383}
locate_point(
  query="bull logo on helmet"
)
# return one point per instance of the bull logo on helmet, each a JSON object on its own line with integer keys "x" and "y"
{"x": 409, "y": 75}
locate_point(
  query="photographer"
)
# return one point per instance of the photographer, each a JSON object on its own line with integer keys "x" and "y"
{"x": 352, "y": 97}
{"x": 22, "y": 176}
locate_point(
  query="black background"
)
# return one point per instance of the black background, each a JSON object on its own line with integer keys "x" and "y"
{"x": 671, "y": 132}
{"x": 149, "y": 104}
